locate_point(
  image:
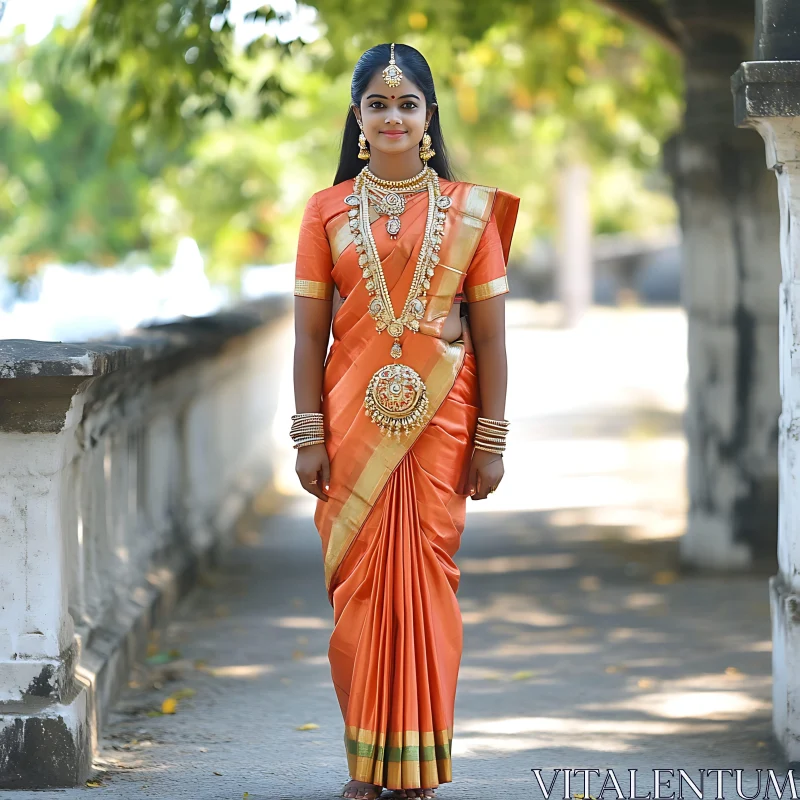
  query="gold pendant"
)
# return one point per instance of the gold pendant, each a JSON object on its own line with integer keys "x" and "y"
{"x": 396, "y": 399}
{"x": 397, "y": 351}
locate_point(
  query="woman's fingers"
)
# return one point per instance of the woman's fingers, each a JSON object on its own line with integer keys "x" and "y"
{"x": 472, "y": 483}
{"x": 485, "y": 482}
{"x": 326, "y": 475}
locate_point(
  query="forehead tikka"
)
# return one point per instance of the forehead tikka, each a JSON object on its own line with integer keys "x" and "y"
{"x": 392, "y": 74}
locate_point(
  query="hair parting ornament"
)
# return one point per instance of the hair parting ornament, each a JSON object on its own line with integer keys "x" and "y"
{"x": 392, "y": 74}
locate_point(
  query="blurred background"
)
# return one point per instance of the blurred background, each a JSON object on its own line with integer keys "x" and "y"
{"x": 156, "y": 159}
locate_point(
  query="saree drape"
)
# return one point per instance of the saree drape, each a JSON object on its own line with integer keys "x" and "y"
{"x": 397, "y": 507}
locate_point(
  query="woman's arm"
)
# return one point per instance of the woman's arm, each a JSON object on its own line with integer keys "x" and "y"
{"x": 487, "y": 331}
{"x": 312, "y": 324}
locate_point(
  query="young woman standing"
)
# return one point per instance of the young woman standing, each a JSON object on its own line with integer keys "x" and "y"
{"x": 403, "y": 418}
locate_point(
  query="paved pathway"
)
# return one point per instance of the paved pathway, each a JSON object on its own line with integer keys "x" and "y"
{"x": 585, "y": 644}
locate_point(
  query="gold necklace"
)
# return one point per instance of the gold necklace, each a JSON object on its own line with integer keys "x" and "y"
{"x": 387, "y": 196}
{"x": 396, "y": 397}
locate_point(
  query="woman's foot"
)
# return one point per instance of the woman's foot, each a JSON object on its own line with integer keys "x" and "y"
{"x": 360, "y": 790}
{"x": 414, "y": 792}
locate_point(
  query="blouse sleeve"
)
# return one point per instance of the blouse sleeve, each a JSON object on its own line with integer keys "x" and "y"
{"x": 486, "y": 274}
{"x": 312, "y": 277}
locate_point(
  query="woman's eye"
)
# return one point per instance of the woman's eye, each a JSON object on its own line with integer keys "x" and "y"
{"x": 376, "y": 103}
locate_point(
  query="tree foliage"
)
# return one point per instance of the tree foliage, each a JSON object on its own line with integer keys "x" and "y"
{"x": 149, "y": 122}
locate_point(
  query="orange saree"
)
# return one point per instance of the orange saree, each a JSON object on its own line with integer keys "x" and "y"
{"x": 397, "y": 507}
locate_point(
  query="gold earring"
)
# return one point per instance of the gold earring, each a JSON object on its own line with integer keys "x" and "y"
{"x": 363, "y": 153}
{"x": 426, "y": 152}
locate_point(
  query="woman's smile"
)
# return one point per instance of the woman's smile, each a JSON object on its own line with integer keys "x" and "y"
{"x": 394, "y": 134}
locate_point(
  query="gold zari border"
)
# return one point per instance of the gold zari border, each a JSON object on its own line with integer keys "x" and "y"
{"x": 411, "y": 759}
{"x": 320, "y": 290}
{"x": 388, "y": 453}
{"x": 484, "y": 291}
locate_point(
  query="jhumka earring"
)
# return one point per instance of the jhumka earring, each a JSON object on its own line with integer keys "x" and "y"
{"x": 426, "y": 152}
{"x": 363, "y": 153}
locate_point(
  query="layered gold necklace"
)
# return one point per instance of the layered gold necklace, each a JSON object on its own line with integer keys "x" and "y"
{"x": 396, "y": 398}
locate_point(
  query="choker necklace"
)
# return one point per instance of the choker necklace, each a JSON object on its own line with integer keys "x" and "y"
{"x": 387, "y": 196}
{"x": 396, "y": 398}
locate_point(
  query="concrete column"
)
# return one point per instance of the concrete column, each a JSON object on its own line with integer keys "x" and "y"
{"x": 730, "y": 274}
{"x": 767, "y": 98}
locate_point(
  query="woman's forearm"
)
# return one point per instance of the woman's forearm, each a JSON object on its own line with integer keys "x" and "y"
{"x": 309, "y": 359}
{"x": 490, "y": 355}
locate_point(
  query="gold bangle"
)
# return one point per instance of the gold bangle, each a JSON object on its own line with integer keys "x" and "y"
{"x": 306, "y": 442}
{"x": 488, "y": 449}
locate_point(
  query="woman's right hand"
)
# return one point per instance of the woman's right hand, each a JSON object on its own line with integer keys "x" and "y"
{"x": 314, "y": 469}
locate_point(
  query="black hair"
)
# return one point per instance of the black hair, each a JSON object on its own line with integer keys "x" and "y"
{"x": 416, "y": 69}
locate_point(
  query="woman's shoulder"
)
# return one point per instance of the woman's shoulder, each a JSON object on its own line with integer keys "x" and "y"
{"x": 334, "y": 193}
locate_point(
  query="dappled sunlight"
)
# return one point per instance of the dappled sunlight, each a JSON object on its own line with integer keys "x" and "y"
{"x": 499, "y": 564}
{"x": 722, "y": 705}
{"x": 510, "y": 734}
{"x": 315, "y": 623}
{"x": 513, "y": 650}
{"x": 639, "y": 600}
{"x": 515, "y": 608}
{"x": 639, "y": 635}
{"x": 243, "y": 671}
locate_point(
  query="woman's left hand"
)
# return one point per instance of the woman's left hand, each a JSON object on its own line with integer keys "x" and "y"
{"x": 485, "y": 473}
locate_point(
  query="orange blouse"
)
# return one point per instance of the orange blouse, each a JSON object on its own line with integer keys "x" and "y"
{"x": 314, "y": 268}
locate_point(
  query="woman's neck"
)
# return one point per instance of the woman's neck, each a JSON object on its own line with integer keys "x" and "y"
{"x": 396, "y": 167}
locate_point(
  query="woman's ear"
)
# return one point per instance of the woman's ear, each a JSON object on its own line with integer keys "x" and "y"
{"x": 357, "y": 113}
{"x": 430, "y": 112}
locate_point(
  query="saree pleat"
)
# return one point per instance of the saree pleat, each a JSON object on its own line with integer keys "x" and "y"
{"x": 396, "y": 507}
{"x": 396, "y": 678}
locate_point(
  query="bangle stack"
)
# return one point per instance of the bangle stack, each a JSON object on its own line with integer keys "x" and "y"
{"x": 307, "y": 428}
{"x": 490, "y": 435}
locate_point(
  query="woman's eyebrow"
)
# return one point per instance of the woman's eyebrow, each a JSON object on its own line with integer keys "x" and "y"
{"x": 383, "y": 96}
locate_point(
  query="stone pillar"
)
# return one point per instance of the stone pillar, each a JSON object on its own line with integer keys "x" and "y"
{"x": 767, "y": 98}
{"x": 730, "y": 274}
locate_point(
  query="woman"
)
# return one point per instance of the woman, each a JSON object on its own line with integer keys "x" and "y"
{"x": 386, "y": 424}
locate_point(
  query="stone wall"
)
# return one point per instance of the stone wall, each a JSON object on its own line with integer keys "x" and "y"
{"x": 123, "y": 466}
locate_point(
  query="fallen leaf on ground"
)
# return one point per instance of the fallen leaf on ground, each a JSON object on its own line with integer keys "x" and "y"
{"x": 665, "y": 576}
{"x": 92, "y": 784}
{"x": 309, "y": 726}
{"x": 522, "y": 675}
{"x": 169, "y": 705}
{"x": 218, "y": 773}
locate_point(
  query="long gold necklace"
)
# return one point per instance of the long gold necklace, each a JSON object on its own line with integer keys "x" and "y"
{"x": 396, "y": 398}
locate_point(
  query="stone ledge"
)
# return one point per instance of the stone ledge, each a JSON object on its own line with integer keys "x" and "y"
{"x": 28, "y": 358}
{"x": 39, "y": 379}
{"x": 766, "y": 89}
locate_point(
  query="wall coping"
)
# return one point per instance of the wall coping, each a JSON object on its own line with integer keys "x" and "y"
{"x": 186, "y": 336}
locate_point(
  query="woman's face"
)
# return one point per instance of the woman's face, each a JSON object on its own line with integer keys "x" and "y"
{"x": 393, "y": 118}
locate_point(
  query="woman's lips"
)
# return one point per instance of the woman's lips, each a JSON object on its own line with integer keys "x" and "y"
{"x": 394, "y": 134}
